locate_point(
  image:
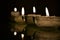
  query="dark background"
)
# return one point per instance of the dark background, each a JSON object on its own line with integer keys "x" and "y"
{"x": 6, "y": 6}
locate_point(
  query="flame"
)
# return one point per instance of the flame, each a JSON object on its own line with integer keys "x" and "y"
{"x": 15, "y": 9}
{"x": 23, "y": 11}
{"x": 47, "y": 12}
{"x": 15, "y": 33}
{"x": 34, "y": 9}
{"x": 22, "y": 35}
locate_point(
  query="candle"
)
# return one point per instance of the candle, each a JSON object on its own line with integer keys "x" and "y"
{"x": 47, "y": 12}
{"x": 15, "y": 13}
{"x": 15, "y": 33}
{"x": 23, "y": 11}
{"x": 15, "y": 9}
{"x": 22, "y": 36}
{"x": 34, "y": 9}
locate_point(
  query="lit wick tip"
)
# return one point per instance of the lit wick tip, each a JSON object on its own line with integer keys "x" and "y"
{"x": 15, "y": 9}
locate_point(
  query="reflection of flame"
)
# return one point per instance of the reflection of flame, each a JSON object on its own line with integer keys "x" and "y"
{"x": 15, "y": 9}
{"x": 47, "y": 12}
{"x": 15, "y": 33}
{"x": 34, "y": 9}
{"x": 22, "y": 35}
{"x": 23, "y": 11}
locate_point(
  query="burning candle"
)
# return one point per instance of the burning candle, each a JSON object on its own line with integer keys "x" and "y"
{"x": 22, "y": 36}
{"x": 15, "y": 9}
{"x": 23, "y": 11}
{"x": 47, "y": 12}
{"x": 15, "y": 12}
{"x": 15, "y": 33}
{"x": 34, "y": 9}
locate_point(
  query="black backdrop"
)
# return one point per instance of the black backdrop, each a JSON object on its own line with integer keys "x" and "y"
{"x": 39, "y": 4}
{"x": 6, "y": 6}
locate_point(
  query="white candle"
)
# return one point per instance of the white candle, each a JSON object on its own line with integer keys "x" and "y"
{"x": 15, "y": 9}
{"x": 47, "y": 12}
{"x": 22, "y": 36}
{"x": 23, "y": 11}
{"x": 15, "y": 33}
{"x": 34, "y": 9}
{"x": 15, "y": 12}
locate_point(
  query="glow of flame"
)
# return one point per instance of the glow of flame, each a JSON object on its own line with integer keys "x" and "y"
{"x": 15, "y": 33}
{"x": 47, "y": 12}
{"x": 15, "y": 9}
{"x": 23, "y": 11}
{"x": 34, "y": 9}
{"x": 22, "y": 35}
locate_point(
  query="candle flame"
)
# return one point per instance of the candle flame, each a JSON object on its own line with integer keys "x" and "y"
{"x": 47, "y": 12}
{"x": 23, "y": 11}
{"x": 15, "y": 33}
{"x": 34, "y": 9}
{"x": 22, "y": 35}
{"x": 15, "y": 9}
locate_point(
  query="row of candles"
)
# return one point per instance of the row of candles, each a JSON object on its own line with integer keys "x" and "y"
{"x": 23, "y": 12}
{"x": 34, "y": 10}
